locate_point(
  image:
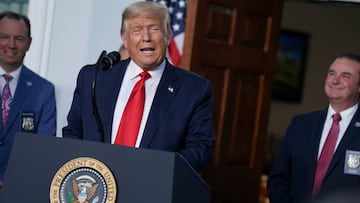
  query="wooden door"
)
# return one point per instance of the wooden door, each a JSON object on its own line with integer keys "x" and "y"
{"x": 233, "y": 43}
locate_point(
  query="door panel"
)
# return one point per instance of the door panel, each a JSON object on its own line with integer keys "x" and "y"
{"x": 233, "y": 43}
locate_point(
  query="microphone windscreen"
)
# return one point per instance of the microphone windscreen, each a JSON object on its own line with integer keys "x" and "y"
{"x": 110, "y": 59}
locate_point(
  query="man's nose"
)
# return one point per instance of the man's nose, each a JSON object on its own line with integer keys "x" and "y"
{"x": 146, "y": 36}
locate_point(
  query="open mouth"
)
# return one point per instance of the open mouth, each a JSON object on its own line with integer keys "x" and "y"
{"x": 147, "y": 49}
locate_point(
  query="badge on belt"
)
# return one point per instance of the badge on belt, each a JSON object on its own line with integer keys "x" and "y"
{"x": 27, "y": 121}
{"x": 352, "y": 162}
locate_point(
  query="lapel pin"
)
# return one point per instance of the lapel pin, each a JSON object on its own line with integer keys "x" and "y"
{"x": 171, "y": 89}
{"x": 29, "y": 83}
{"x": 357, "y": 124}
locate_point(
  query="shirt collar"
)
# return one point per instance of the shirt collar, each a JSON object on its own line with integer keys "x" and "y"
{"x": 15, "y": 74}
{"x": 348, "y": 113}
{"x": 134, "y": 70}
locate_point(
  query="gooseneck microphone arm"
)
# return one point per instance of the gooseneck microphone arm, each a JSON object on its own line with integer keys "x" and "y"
{"x": 103, "y": 63}
{"x": 95, "y": 108}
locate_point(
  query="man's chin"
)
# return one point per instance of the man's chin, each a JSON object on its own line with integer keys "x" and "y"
{"x": 12, "y": 65}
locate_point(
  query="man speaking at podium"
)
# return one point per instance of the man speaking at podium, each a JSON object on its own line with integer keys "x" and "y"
{"x": 144, "y": 101}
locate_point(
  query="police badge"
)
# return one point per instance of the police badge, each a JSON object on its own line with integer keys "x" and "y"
{"x": 27, "y": 121}
{"x": 83, "y": 180}
{"x": 352, "y": 162}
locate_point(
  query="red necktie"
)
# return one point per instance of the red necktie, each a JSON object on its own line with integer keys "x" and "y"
{"x": 130, "y": 121}
{"x": 326, "y": 154}
{"x": 6, "y": 99}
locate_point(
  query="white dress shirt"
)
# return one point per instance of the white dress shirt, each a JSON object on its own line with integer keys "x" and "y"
{"x": 130, "y": 78}
{"x": 13, "y": 83}
{"x": 346, "y": 117}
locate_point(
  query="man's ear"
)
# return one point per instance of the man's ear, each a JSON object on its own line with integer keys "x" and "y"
{"x": 168, "y": 40}
{"x": 29, "y": 43}
{"x": 124, "y": 39}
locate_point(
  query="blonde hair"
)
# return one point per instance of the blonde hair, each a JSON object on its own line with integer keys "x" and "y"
{"x": 149, "y": 8}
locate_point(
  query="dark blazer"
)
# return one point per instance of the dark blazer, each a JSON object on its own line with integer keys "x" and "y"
{"x": 292, "y": 174}
{"x": 180, "y": 118}
{"x": 33, "y": 110}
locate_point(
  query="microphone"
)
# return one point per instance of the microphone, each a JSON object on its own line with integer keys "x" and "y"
{"x": 101, "y": 57}
{"x": 105, "y": 62}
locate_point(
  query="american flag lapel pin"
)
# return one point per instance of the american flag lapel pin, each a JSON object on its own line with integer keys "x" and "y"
{"x": 170, "y": 89}
{"x": 357, "y": 124}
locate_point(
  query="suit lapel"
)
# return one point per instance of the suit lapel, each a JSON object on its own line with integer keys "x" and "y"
{"x": 109, "y": 87}
{"x": 351, "y": 131}
{"x": 164, "y": 97}
{"x": 319, "y": 118}
{"x": 318, "y": 122}
{"x": 22, "y": 92}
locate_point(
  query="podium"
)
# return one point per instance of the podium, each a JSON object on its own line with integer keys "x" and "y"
{"x": 38, "y": 164}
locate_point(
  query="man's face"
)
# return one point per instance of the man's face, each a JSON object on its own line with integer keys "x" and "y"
{"x": 342, "y": 82}
{"x": 14, "y": 43}
{"x": 146, "y": 41}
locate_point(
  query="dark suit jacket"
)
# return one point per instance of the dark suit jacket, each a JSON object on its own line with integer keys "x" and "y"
{"x": 180, "y": 118}
{"x": 33, "y": 110}
{"x": 292, "y": 174}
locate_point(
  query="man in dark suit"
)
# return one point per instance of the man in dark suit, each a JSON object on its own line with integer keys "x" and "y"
{"x": 177, "y": 112}
{"x": 31, "y": 105}
{"x": 295, "y": 173}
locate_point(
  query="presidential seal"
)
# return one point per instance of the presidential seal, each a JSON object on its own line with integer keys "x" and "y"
{"x": 83, "y": 180}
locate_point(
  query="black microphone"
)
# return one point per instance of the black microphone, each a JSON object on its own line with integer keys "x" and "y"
{"x": 101, "y": 58}
{"x": 104, "y": 62}
{"x": 109, "y": 60}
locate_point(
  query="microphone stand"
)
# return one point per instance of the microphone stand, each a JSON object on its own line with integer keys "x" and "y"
{"x": 95, "y": 108}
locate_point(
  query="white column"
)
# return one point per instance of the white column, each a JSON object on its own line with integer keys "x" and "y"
{"x": 41, "y": 16}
